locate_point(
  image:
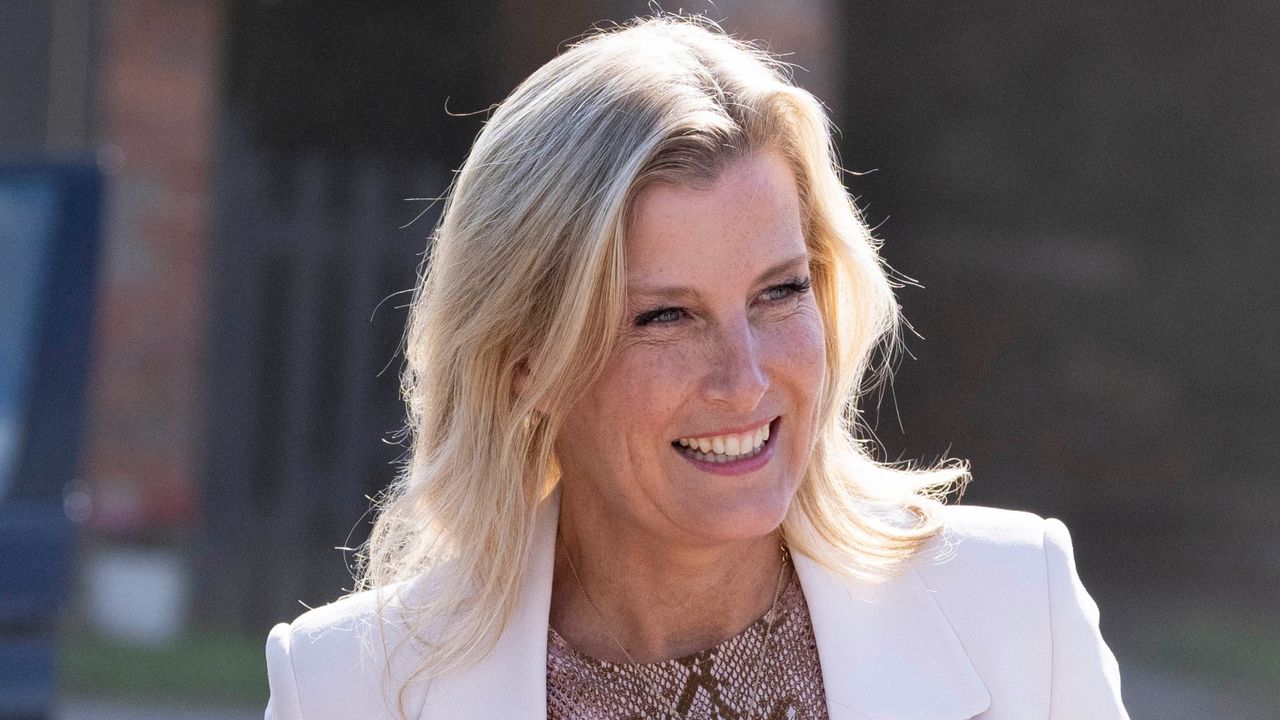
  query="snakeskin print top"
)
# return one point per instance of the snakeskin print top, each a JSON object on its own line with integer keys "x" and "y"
{"x": 747, "y": 677}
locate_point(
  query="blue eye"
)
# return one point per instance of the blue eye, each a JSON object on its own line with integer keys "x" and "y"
{"x": 662, "y": 316}
{"x": 796, "y": 286}
{"x": 776, "y": 293}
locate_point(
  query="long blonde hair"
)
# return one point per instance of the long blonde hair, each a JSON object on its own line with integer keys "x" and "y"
{"x": 525, "y": 279}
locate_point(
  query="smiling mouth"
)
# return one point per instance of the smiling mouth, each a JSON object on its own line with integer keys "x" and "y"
{"x": 729, "y": 448}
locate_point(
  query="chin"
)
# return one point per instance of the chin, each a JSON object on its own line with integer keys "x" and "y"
{"x": 736, "y": 518}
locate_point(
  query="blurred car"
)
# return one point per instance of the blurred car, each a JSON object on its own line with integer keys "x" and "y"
{"x": 49, "y": 230}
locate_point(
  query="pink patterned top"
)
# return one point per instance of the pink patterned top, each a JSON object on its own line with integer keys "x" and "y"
{"x": 756, "y": 675}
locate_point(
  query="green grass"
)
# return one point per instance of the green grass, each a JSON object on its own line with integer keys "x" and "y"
{"x": 1222, "y": 643}
{"x": 1221, "y": 650}
{"x": 223, "y": 668}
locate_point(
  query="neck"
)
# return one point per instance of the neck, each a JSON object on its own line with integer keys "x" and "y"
{"x": 659, "y": 600}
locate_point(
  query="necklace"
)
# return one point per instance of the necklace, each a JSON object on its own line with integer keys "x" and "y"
{"x": 770, "y": 618}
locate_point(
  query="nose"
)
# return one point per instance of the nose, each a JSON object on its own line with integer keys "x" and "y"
{"x": 736, "y": 377}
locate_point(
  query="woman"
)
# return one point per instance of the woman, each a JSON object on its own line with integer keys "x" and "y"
{"x": 636, "y": 487}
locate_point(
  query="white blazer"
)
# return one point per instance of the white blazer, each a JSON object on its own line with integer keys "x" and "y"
{"x": 989, "y": 622}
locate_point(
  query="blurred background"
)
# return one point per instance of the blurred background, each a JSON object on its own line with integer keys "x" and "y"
{"x": 209, "y": 211}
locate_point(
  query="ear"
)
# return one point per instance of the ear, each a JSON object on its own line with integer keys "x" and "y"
{"x": 520, "y": 380}
{"x": 520, "y": 377}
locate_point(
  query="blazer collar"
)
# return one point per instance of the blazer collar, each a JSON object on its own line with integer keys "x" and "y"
{"x": 887, "y": 651}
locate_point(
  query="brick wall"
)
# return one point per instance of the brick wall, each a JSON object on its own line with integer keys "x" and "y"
{"x": 158, "y": 100}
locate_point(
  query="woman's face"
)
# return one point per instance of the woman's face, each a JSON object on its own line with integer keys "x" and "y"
{"x": 723, "y": 347}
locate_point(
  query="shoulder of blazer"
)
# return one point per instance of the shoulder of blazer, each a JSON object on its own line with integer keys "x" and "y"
{"x": 361, "y": 656}
{"x": 1007, "y": 583}
{"x": 987, "y": 562}
{"x": 346, "y": 659}
{"x": 993, "y": 525}
{"x": 987, "y": 572}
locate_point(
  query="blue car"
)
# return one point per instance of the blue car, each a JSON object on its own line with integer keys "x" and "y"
{"x": 49, "y": 229}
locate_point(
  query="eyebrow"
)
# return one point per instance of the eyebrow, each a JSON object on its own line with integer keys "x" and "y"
{"x": 677, "y": 291}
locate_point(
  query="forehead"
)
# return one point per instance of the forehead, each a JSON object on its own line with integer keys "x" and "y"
{"x": 746, "y": 219}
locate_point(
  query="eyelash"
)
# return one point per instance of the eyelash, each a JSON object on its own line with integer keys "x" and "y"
{"x": 792, "y": 288}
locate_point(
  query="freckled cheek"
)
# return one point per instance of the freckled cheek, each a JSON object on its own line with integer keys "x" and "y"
{"x": 797, "y": 353}
{"x": 647, "y": 387}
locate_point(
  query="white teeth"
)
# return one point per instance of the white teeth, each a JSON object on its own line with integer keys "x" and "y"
{"x": 726, "y": 448}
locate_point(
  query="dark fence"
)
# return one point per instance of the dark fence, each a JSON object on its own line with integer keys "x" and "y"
{"x": 311, "y": 273}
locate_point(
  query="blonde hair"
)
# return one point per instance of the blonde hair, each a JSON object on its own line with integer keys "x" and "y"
{"x": 525, "y": 279}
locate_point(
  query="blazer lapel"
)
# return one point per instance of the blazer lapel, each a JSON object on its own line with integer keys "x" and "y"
{"x": 887, "y": 651}
{"x": 511, "y": 681}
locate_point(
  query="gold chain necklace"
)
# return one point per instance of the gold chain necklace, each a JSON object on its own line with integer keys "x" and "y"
{"x": 770, "y": 618}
